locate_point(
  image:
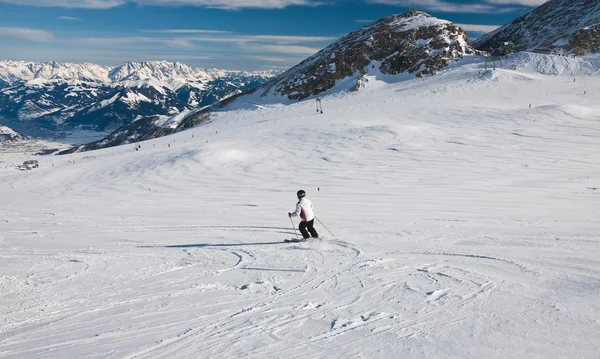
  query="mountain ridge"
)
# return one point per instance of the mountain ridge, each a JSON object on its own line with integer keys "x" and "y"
{"x": 557, "y": 26}
{"x": 413, "y": 42}
{"x": 62, "y": 96}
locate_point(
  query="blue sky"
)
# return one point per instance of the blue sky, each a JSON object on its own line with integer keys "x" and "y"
{"x": 231, "y": 34}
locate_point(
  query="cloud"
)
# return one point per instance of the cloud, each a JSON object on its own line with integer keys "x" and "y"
{"x": 288, "y": 39}
{"x": 17, "y": 33}
{"x": 221, "y": 4}
{"x": 478, "y": 28}
{"x": 270, "y": 58}
{"x": 518, "y": 2}
{"x": 69, "y": 18}
{"x": 446, "y": 6}
{"x": 88, "y": 4}
{"x": 186, "y": 31}
{"x": 282, "y": 49}
{"x": 133, "y": 40}
{"x": 364, "y": 21}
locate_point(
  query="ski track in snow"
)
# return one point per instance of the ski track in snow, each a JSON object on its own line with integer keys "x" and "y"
{"x": 464, "y": 226}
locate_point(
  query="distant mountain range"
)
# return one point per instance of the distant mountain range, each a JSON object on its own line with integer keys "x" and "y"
{"x": 61, "y": 96}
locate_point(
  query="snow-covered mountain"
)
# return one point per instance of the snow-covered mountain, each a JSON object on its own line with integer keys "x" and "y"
{"x": 413, "y": 42}
{"x": 90, "y": 96}
{"x": 7, "y": 134}
{"x": 558, "y": 26}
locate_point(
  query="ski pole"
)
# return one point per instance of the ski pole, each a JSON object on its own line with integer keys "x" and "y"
{"x": 324, "y": 226}
{"x": 293, "y": 226}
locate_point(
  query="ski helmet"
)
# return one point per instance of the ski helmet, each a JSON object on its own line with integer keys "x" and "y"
{"x": 301, "y": 194}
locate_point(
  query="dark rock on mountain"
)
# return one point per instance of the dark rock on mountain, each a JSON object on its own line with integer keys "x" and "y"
{"x": 413, "y": 42}
{"x": 557, "y": 26}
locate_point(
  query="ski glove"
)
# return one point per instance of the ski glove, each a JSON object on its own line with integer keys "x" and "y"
{"x": 290, "y": 214}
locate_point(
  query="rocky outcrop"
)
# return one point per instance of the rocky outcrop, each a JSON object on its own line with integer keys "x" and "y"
{"x": 557, "y": 26}
{"x": 413, "y": 42}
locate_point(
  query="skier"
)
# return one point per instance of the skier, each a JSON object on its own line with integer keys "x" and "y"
{"x": 304, "y": 209}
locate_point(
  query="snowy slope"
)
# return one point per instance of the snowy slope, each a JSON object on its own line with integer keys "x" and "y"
{"x": 465, "y": 223}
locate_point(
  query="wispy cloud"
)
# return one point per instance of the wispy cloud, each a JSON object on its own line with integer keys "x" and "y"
{"x": 132, "y": 40}
{"x": 364, "y": 21}
{"x": 518, "y": 2}
{"x": 186, "y": 31}
{"x": 88, "y": 4}
{"x": 69, "y": 18}
{"x": 281, "y": 49}
{"x": 268, "y": 58}
{"x": 478, "y": 28}
{"x": 277, "y": 48}
{"x": 447, "y": 6}
{"x": 288, "y": 39}
{"x": 221, "y": 4}
{"x": 18, "y": 33}
{"x": 288, "y": 43}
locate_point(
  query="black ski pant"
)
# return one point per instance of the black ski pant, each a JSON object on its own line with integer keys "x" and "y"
{"x": 306, "y": 227}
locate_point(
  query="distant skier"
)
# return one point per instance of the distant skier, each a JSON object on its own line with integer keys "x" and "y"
{"x": 319, "y": 106}
{"x": 304, "y": 209}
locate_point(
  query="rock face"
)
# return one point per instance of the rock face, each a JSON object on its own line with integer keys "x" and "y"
{"x": 67, "y": 96}
{"x": 557, "y": 26}
{"x": 413, "y": 42}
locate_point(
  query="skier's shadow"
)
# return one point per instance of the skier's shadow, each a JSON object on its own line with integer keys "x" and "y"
{"x": 233, "y": 228}
{"x": 203, "y": 245}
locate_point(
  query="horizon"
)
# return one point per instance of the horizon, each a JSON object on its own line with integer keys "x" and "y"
{"x": 245, "y": 35}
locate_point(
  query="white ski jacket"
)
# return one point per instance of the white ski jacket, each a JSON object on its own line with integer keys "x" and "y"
{"x": 304, "y": 209}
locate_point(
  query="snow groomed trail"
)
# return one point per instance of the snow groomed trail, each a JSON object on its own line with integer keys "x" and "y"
{"x": 466, "y": 226}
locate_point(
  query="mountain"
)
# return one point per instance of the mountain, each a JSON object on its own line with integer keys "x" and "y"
{"x": 412, "y": 43}
{"x": 8, "y": 135}
{"x": 88, "y": 96}
{"x": 557, "y": 26}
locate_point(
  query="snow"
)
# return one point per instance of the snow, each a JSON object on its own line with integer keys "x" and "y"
{"x": 465, "y": 224}
{"x": 416, "y": 22}
{"x": 4, "y": 130}
{"x": 134, "y": 98}
{"x": 173, "y": 121}
{"x": 158, "y": 74}
{"x": 105, "y": 103}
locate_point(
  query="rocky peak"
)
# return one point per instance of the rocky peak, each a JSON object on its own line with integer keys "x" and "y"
{"x": 557, "y": 26}
{"x": 413, "y": 42}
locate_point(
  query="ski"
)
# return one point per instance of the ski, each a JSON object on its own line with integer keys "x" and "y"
{"x": 293, "y": 240}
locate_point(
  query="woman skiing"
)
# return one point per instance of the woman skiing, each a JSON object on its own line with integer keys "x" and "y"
{"x": 304, "y": 209}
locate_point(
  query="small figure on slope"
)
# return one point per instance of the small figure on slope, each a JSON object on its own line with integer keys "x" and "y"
{"x": 304, "y": 209}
